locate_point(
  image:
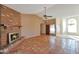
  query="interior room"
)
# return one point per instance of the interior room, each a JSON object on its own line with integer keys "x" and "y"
{"x": 39, "y": 28}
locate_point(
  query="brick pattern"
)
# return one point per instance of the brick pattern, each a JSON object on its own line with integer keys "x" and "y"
{"x": 11, "y": 19}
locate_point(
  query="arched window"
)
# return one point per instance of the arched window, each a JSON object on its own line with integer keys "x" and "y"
{"x": 72, "y": 25}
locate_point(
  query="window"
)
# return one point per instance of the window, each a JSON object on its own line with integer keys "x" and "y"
{"x": 72, "y": 25}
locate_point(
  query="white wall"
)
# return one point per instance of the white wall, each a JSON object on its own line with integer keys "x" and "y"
{"x": 30, "y": 25}
{"x": 43, "y": 28}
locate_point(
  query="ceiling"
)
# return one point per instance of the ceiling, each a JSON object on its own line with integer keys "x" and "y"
{"x": 29, "y": 8}
{"x": 55, "y": 10}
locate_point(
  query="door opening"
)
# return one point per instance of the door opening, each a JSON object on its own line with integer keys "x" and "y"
{"x": 52, "y": 29}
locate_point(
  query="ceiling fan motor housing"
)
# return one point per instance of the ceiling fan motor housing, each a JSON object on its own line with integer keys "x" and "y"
{"x": 45, "y": 15}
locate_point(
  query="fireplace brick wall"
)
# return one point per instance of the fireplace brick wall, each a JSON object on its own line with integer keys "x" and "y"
{"x": 11, "y": 19}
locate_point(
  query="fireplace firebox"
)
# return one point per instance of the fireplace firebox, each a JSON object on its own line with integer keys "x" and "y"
{"x": 12, "y": 37}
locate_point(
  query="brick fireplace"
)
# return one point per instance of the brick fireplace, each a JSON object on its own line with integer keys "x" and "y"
{"x": 10, "y": 26}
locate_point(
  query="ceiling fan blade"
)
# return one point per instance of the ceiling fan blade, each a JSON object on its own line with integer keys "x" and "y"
{"x": 48, "y": 16}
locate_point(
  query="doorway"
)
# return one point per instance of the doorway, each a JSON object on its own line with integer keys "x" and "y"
{"x": 47, "y": 29}
{"x": 51, "y": 29}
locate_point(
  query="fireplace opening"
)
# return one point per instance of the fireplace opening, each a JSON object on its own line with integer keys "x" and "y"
{"x": 12, "y": 37}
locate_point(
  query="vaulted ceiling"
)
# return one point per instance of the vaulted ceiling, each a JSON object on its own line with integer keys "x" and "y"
{"x": 55, "y": 10}
{"x": 29, "y": 8}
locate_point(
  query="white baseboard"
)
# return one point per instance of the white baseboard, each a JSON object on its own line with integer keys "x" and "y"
{"x": 26, "y": 37}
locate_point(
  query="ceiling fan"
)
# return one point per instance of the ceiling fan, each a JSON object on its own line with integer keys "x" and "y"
{"x": 45, "y": 15}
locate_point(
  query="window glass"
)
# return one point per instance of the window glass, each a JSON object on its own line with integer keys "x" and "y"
{"x": 72, "y": 25}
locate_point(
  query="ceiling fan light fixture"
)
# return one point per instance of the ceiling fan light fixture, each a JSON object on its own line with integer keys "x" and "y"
{"x": 45, "y": 15}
